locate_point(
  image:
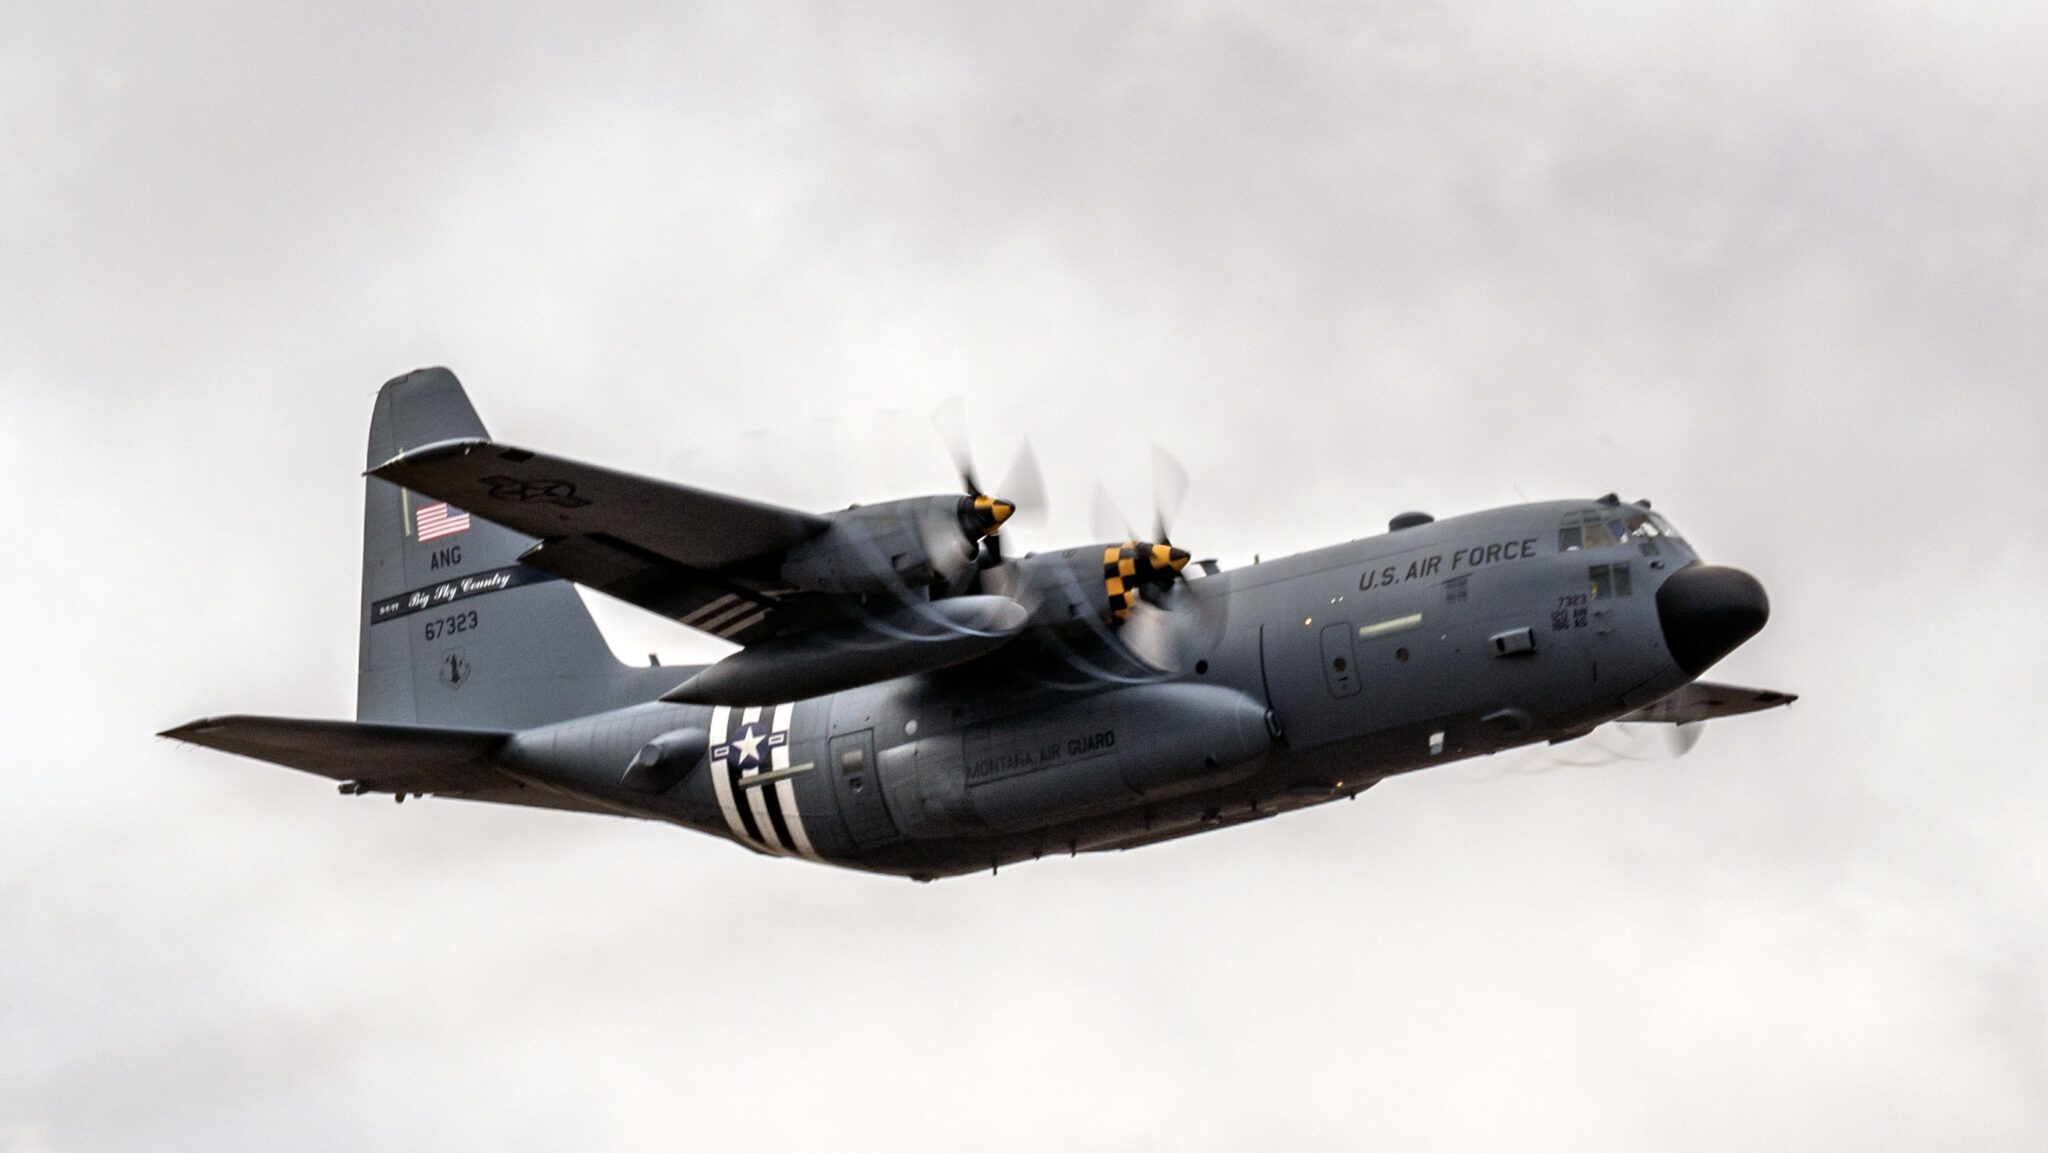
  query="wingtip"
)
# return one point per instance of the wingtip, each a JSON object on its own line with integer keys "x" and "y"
{"x": 190, "y": 729}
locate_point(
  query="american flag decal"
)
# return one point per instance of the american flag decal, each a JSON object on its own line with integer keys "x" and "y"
{"x": 439, "y": 520}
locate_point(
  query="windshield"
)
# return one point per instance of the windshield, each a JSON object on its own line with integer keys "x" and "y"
{"x": 1606, "y": 527}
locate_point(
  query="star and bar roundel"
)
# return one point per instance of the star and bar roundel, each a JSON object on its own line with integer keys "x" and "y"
{"x": 748, "y": 744}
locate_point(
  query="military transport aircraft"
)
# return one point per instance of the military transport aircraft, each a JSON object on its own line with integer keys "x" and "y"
{"x": 908, "y": 700}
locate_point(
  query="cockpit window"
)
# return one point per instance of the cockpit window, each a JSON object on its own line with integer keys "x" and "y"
{"x": 1604, "y": 528}
{"x": 1607, "y": 581}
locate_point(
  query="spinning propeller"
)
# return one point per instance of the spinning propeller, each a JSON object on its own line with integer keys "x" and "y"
{"x": 1148, "y": 608}
{"x": 1160, "y": 618}
{"x": 985, "y": 516}
{"x": 1144, "y": 565}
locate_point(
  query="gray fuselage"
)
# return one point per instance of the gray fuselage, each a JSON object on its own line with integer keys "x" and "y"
{"x": 1314, "y": 677}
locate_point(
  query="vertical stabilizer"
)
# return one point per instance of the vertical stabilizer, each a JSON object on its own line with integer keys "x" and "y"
{"x": 455, "y": 631}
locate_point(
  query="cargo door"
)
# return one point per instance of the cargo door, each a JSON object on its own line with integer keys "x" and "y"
{"x": 851, "y": 762}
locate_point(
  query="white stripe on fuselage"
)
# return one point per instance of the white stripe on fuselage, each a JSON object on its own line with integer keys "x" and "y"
{"x": 721, "y": 775}
{"x": 785, "y": 789}
{"x": 755, "y": 798}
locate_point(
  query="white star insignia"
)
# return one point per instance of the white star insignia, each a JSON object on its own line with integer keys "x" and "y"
{"x": 750, "y": 745}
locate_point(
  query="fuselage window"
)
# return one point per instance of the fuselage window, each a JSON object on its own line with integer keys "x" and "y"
{"x": 1457, "y": 589}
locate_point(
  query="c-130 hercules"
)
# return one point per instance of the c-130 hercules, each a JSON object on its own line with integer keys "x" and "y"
{"x": 909, "y": 701}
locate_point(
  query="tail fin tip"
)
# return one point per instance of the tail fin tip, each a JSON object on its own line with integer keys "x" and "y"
{"x": 419, "y": 408}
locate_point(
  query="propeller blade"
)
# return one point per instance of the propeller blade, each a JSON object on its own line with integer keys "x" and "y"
{"x": 950, "y": 418}
{"x": 1169, "y": 490}
{"x": 1024, "y": 486}
{"x": 1150, "y": 633}
{"x": 1171, "y": 634}
{"x": 1641, "y": 741}
{"x": 1681, "y": 738}
{"x": 1104, "y": 517}
{"x": 1023, "y": 492}
{"x": 1617, "y": 743}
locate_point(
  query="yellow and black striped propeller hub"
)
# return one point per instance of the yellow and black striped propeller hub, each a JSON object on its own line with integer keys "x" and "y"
{"x": 1130, "y": 566}
{"x": 983, "y": 515}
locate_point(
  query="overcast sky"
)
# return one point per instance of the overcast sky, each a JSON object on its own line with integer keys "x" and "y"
{"x": 1782, "y": 269}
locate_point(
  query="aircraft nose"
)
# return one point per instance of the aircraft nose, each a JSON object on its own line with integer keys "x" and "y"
{"x": 1707, "y": 610}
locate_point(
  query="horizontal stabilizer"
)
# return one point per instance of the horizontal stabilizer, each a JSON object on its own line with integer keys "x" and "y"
{"x": 551, "y": 498}
{"x": 381, "y": 758}
{"x": 1703, "y": 701}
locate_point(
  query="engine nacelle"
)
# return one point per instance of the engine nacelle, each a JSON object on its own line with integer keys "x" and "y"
{"x": 881, "y": 548}
{"x": 1077, "y": 759}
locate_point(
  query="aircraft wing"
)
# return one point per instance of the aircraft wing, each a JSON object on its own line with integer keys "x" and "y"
{"x": 1705, "y": 701}
{"x": 669, "y": 548}
{"x": 549, "y": 497}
